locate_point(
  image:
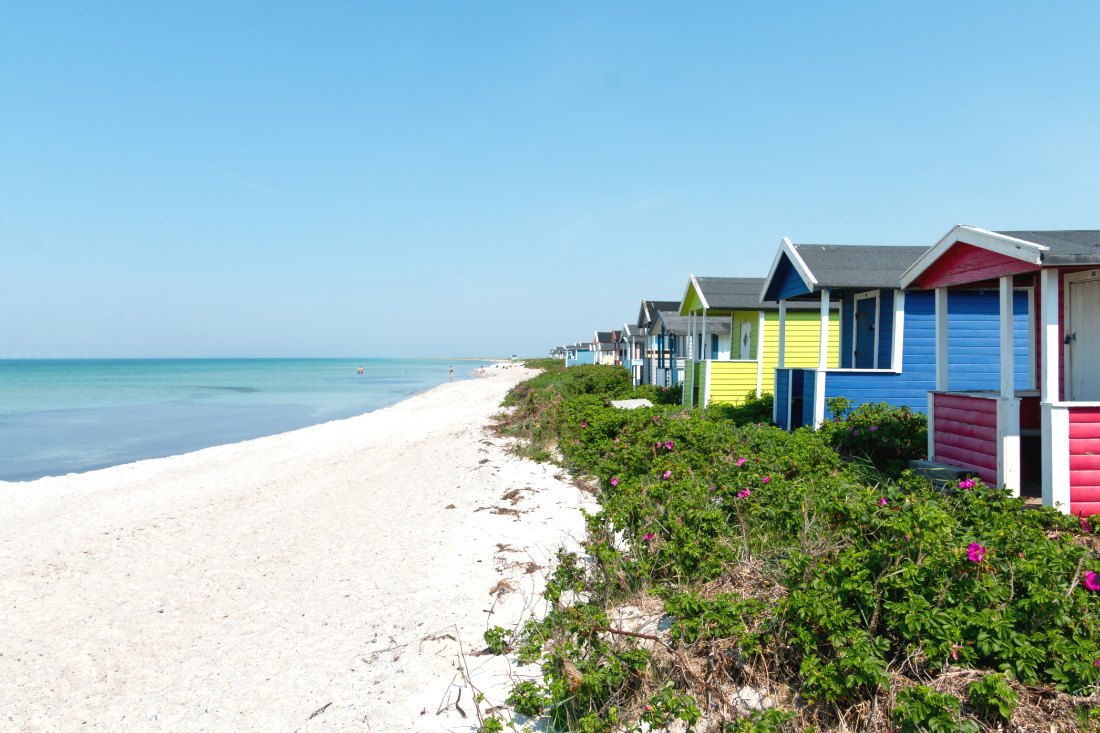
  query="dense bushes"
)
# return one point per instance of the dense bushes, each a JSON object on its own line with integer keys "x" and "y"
{"x": 777, "y": 558}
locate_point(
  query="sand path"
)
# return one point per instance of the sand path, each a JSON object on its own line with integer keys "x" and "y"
{"x": 248, "y": 586}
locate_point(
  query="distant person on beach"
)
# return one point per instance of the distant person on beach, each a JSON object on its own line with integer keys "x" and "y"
{"x": 452, "y": 374}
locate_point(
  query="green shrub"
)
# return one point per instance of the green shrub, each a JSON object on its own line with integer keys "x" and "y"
{"x": 993, "y": 698}
{"x": 869, "y": 568}
{"x": 887, "y": 437}
{"x": 919, "y": 709}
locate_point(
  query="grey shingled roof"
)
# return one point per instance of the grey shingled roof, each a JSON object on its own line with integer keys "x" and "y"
{"x": 605, "y": 337}
{"x": 674, "y": 322}
{"x": 1067, "y": 247}
{"x": 740, "y": 293}
{"x": 858, "y": 265}
{"x": 649, "y": 309}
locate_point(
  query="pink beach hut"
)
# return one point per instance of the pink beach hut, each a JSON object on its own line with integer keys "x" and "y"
{"x": 1045, "y": 439}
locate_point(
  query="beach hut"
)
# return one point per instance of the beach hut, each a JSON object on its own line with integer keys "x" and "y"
{"x": 887, "y": 344}
{"x": 603, "y": 345}
{"x": 1003, "y": 434}
{"x": 631, "y": 346}
{"x": 669, "y": 335}
{"x": 579, "y": 353}
{"x": 735, "y": 348}
{"x": 652, "y": 344}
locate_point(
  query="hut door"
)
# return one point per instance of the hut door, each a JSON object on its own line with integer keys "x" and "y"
{"x": 866, "y": 313}
{"x": 1082, "y": 336}
{"x": 745, "y": 350}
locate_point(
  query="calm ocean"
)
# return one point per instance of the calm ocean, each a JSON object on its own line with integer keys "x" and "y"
{"x": 65, "y": 416}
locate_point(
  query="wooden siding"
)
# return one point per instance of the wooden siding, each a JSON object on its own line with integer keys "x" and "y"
{"x": 966, "y": 433}
{"x": 973, "y": 364}
{"x": 974, "y": 340}
{"x": 803, "y": 334}
{"x": 782, "y": 379}
{"x": 787, "y": 282}
{"x": 730, "y": 381}
{"x": 885, "y": 327}
{"x": 964, "y": 263}
{"x": 847, "y": 330}
{"x": 692, "y": 301}
{"x": 1084, "y": 460}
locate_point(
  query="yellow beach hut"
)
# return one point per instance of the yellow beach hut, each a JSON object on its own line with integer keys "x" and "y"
{"x": 736, "y": 343}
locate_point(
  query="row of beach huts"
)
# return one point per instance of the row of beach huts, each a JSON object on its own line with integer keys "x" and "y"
{"x": 994, "y": 335}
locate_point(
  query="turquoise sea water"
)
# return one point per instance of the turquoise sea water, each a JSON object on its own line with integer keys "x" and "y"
{"x": 65, "y": 416}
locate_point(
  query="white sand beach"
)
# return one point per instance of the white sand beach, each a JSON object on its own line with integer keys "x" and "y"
{"x": 318, "y": 580}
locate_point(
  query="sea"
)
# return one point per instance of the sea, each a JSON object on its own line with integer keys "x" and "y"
{"x": 63, "y": 416}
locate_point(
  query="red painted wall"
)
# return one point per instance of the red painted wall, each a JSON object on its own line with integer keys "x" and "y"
{"x": 964, "y": 263}
{"x": 966, "y": 434}
{"x": 1084, "y": 460}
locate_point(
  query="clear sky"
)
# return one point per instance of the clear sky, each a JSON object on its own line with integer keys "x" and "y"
{"x": 486, "y": 178}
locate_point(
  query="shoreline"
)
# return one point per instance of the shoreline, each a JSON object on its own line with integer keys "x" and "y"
{"x": 187, "y": 443}
{"x": 329, "y": 578}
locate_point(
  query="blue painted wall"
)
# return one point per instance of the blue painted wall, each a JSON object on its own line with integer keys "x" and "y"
{"x": 973, "y": 352}
{"x": 847, "y": 306}
{"x": 786, "y": 283}
{"x": 583, "y": 357}
{"x": 782, "y": 378}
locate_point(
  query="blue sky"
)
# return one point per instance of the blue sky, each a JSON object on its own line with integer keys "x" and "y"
{"x": 487, "y": 178}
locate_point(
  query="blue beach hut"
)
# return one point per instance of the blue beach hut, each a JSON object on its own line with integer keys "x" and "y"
{"x": 887, "y": 334}
{"x": 579, "y": 353}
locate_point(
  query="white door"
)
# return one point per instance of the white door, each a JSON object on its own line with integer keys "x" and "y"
{"x": 1082, "y": 336}
{"x": 745, "y": 348}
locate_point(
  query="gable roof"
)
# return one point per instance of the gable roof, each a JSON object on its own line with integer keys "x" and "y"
{"x": 733, "y": 293}
{"x": 650, "y": 308}
{"x": 848, "y": 266}
{"x": 1046, "y": 248}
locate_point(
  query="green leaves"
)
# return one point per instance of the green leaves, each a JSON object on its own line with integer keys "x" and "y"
{"x": 866, "y": 567}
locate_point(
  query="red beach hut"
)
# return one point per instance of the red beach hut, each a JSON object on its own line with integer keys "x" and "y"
{"x": 1049, "y": 437}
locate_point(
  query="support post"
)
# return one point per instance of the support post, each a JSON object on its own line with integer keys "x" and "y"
{"x": 1008, "y": 422}
{"x": 941, "y": 339}
{"x": 1055, "y": 417}
{"x": 822, "y": 361}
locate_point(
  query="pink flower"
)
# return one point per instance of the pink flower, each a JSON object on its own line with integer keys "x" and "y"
{"x": 1092, "y": 582}
{"x": 584, "y": 424}
{"x": 616, "y": 440}
{"x": 741, "y": 462}
{"x": 882, "y": 501}
{"x": 767, "y": 479}
{"x": 656, "y": 419}
{"x": 744, "y": 494}
{"x": 975, "y": 552}
{"x": 669, "y": 445}
{"x": 1096, "y": 663}
{"x": 649, "y": 536}
{"x": 966, "y": 484}
{"x": 614, "y": 480}
{"x": 1085, "y": 525}
{"x": 667, "y": 475}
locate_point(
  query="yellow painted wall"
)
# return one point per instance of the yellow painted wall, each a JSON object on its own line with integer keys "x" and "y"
{"x": 732, "y": 380}
{"x": 803, "y": 331}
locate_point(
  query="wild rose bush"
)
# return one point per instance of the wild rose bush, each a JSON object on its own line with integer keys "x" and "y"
{"x": 887, "y": 437}
{"x": 875, "y": 580}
